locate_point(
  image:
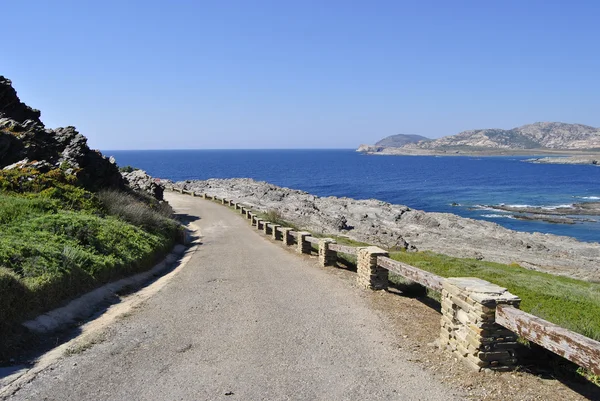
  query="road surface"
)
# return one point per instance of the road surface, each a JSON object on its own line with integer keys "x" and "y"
{"x": 245, "y": 319}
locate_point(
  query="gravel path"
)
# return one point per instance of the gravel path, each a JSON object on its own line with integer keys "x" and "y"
{"x": 245, "y": 319}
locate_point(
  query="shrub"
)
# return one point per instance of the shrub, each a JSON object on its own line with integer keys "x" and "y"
{"x": 151, "y": 217}
{"x": 55, "y": 185}
{"x": 12, "y": 294}
{"x": 127, "y": 169}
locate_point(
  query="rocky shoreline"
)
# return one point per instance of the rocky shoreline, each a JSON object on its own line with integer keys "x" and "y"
{"x": 558, "y": 215}
{"x": 400, "y": 227}
{"x": 466, "y": 151}
{"x": 586, "y": 159}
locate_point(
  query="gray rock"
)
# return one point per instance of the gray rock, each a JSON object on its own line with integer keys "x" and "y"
{"x": 139, "y": 180}
{"x": 23, "y": 138}
{"x": 595, "y": 160}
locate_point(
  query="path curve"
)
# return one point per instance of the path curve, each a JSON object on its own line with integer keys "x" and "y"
{"x": 245, "y": 319}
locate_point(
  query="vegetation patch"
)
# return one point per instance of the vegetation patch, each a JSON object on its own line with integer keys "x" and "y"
{"x": 58, "y": 240}
{"x": 570, "y": 303}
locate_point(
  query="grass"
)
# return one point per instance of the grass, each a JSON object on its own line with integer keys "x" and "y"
{"x": 58, "y": 240}
{"x": 570, "y": 303}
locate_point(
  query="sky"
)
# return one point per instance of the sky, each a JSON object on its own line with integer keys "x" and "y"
{"x": 300, "y": 74}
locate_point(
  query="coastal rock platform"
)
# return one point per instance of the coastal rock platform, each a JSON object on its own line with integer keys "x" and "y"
{"x": 399, "y": 227}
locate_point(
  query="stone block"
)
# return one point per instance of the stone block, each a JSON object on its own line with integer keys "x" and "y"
{"x": 302, "y": 245}
{"x": 327, "y": 257}
{"x": 274, "y": 231}
{"x": 468, "y": 322}
{"x": 286, "y": 237}
{"x": 369, "y": 274}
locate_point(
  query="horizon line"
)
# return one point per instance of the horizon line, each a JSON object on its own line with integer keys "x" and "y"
{"x": 230, "y": 149}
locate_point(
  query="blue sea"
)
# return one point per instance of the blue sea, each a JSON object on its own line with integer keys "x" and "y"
{"x": 428, "y": 183}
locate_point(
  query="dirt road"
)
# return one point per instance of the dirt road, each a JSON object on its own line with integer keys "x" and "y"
{"x": 245, "y": 319}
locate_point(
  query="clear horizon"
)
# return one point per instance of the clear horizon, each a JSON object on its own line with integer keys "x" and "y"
{"x": 194, "y": 75}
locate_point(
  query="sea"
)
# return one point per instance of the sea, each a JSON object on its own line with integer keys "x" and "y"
{"x": 461, "y": 185}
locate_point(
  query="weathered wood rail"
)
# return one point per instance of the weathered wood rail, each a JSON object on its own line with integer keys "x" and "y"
{"x": 480, "y": 320}
{"x": 572, "y": 346}
{"x": 422, "y": 277}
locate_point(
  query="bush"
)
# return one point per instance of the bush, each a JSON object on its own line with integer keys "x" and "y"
{"x": 12, "y": 295}
{"x": 54, "y": 185}
{"x": 127, "y": 169}
{"x": 151, "y": 216}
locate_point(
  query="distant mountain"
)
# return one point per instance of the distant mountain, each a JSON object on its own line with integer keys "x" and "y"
{"x": 541, "y": 135}
{"x": 398, "y": 141}
{"x": 532, "y": 136}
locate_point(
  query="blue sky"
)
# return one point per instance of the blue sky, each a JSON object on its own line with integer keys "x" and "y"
{"x": 300, "y": 74}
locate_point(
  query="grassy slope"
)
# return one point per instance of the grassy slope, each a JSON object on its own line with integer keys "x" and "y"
{"x": 570, "y": 303}
{"x": 58, "y": 240}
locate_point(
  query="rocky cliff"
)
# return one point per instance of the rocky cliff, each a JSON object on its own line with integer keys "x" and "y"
{"x": 541, "y": 135}
{"x": 398, "y": 226}
{"x": 26, "y": 142}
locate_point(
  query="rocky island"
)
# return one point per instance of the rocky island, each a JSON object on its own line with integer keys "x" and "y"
{"x": 593, "y": 160}
{"x": 400, "y": 227}
{"x": 531, "y": 139}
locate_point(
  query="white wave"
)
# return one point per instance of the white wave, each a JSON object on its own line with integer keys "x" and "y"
{"x": 567, "y": 206}
{"x": 498, "y": 216}
{"x": 589, "y": 197}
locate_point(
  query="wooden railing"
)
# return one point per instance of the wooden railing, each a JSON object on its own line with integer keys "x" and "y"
{"x": 412, "y": 273}
{"x": 579, "y": 349}
{"x": 575, "y": 347}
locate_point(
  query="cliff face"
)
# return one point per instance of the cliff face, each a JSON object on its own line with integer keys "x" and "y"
{"x": 541, "y": 135}
{"x": 26, "y": 142}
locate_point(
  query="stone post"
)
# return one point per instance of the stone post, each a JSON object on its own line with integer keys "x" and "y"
{"x": 274, "y": 232}
{"x": 468, "y": 323}
{"x": 266, "y": 228}
{"x": 260, "y": 224}
{"x": 369, "y": 274}
{"x": 180, "y": 190}
{"x": 303, "y": 246}
{"x": 326, "y": 256}
{"x": 204, "y": 196}
{"x": 223, "y": 201}
{"x": 286, "y": 237}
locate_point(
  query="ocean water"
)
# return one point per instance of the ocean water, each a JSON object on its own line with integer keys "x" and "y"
{"x": 428, "y": 183}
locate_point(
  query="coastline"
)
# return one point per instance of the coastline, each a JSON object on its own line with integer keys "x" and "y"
{"x": 482, "y": 153}
{"x": 399, "y": 227}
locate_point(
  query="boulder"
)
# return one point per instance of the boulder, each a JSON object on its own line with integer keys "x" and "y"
{"x": 139, "y": 180}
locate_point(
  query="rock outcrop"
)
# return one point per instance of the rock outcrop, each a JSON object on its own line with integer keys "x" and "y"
{"x": 593, "y": 160}
{"x": 26, "y": 142}
{"x": 400, "y": 227}
{"x": 139, "y": 180}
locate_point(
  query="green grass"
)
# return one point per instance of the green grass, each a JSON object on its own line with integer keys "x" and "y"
{"x": 570, "y": 303}
{"x": 58, "y": 240}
